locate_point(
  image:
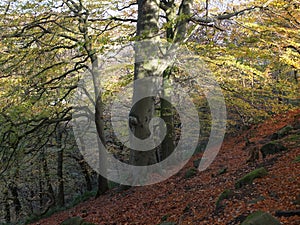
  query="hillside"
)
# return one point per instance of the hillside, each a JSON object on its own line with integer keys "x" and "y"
{"x": 193, "y": 200}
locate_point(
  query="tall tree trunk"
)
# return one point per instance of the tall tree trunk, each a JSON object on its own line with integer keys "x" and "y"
{"x": 99, "y": 107}
{"x": 84, "y": 165}
{"x": 102, "y": 185}
{"x": 99, "y": 120}
{"x": 184, "y": 16}
{"x": 15, "y": 197}
{"x": 60, "y": 155}
{"x": 102, "y": 181}
{"x": 143, "y": 111}
{"x": 84, "y": 168}
{"x": 174, "y": 34}
{"x": 167, "y": 115}
{"x": 86, "y": 174}
{"x": 47, "y": 174}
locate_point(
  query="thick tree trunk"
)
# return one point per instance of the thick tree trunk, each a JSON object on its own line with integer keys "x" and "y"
{"x": 102, "y": 185}
{"x": 99, "y": 120}
{"x": 184, "y": 17}
{"x": 102, "y": 181}
{"x": 174, "y": 34}
{"x": 143, "y": 111}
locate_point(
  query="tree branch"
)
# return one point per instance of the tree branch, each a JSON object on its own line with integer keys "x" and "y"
{"x": 126, "y": 7}
{"x": 113, "y": 18}
{"x": 211, "y": 20}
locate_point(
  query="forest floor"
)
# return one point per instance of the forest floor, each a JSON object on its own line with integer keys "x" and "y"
{"x": 193, "y": 200}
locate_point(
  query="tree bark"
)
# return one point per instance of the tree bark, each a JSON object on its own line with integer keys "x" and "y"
{"x": 84, "y": 165}
{"x": 99, "y": 120}
{"x": 84, "y": 168}
{"x": 60, "y": 155}
{"x": 143, "y": 111}
{"x": 15, "y": 197}
{"x": 167, "y": 114}
{"x": 47, "y": 174}
{"x": 102, "y": 181}
{"x": 176, "y": 34}
{"x": 184, "y": 17}
{"x": 99, "y": 106}
{"x": 87, "y": 177}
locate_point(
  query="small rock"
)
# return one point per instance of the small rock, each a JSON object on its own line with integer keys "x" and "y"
{"x": 272, "y": 148}
{"x": 260, "y": 218}
{"x": 73, "y": 221}
{"x": 248, "y": 178}
{"x": 282, "y": 132}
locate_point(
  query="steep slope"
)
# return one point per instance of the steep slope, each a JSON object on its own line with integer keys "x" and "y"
{"x": 193, "y": 200}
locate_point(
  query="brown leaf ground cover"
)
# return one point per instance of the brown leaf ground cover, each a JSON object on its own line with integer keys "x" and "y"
{"x": 193, "y": 200}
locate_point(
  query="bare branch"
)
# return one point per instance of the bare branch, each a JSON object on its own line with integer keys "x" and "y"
{"x": 226, "y": 16}
{"x": 126, "y": 7}
{"x": 113, "y": 18}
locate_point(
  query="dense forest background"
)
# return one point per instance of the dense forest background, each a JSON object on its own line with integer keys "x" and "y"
{"x": 252, "y": 48}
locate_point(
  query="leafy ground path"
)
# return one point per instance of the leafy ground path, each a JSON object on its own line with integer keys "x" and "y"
{"x": 193, "y": 200}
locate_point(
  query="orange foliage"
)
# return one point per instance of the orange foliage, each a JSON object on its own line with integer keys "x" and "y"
{"x": 193, "y": 201}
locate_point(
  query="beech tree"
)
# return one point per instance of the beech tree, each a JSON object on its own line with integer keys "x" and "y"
{"x": 179, "y": 25}
{"x": 45, "y": 46}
